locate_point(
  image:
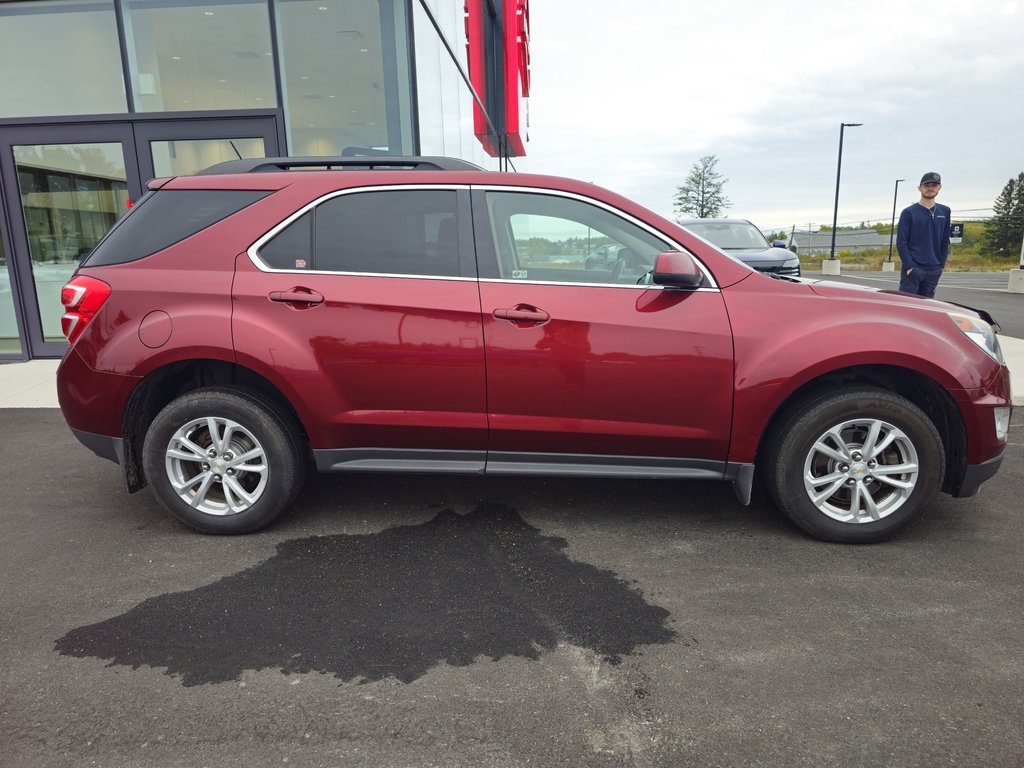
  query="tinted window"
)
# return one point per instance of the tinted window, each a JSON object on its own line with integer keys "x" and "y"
{"x": 402, "y": 232}
{"x": 291, "y": 248}
{"x": 730, "y": 235}
{"x": 559, "y": 239}
{"x": 166, "y": 217}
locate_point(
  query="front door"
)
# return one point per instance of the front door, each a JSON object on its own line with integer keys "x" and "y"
{"x": 66, "y": 184}
{"x": 588, "y": 368}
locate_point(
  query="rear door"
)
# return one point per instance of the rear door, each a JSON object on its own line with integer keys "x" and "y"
{"x": 364, "y": 305}
{"x": 588, "y": 368}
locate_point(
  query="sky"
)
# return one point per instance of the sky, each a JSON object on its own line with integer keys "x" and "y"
{"x": 630, "y": 95}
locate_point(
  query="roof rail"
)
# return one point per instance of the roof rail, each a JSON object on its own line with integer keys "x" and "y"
{"x": 268, "y": 164}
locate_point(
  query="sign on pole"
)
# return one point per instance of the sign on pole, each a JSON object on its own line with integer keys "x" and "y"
{"x": 956, "y": 233}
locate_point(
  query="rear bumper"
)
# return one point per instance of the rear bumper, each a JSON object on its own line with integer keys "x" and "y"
{"x": 105, "y": 447}
{"x": 92, "y": 402}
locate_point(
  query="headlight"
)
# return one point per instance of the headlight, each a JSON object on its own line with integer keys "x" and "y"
{"x": 980, "y": 332}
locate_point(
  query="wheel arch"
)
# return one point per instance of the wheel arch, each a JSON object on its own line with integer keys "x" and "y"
{"x": 170, "y": 381}
{"x": 925, "y": 392}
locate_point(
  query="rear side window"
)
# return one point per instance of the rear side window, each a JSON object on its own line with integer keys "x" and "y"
{"x": 395, "y": 232}
{"x": 166, "y": 217}
{"x": 407, "y": 232}
{"x": 292, "y": 247}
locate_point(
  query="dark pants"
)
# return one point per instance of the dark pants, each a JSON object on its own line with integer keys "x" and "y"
{"x": 921, "y": 282}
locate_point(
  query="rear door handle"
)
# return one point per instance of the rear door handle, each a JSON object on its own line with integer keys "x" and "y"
{"x": 522, "y": 313}
{"x": 297, "y": 296}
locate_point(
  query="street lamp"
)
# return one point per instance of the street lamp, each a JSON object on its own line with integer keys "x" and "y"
{"x": 839, "y": 168}
{"x": 892, "y": 226}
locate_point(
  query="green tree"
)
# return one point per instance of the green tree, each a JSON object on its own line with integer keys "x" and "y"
{"x": 701, "y": 194}
{"x": 1017, "y": 219}
{"x": 1003, "y": 232}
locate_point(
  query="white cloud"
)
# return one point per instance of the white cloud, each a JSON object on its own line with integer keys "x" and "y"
{"x": 631, "y": 95}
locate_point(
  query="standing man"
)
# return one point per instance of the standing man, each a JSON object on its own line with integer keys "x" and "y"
{"x": 923, "y": 239}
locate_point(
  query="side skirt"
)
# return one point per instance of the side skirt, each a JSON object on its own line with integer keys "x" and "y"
{"x": 538, "y": 464}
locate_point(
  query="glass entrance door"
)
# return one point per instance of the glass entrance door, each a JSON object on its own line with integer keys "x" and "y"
{"x": 65, "y": 186}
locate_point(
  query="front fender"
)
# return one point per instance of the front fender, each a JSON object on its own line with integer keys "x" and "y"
{"x": 810, "y": 336}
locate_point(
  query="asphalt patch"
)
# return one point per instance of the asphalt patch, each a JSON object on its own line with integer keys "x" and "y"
{"x": 397, "y": 603}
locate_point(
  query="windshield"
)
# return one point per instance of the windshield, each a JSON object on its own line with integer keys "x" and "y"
{"x": 729, "y": 235}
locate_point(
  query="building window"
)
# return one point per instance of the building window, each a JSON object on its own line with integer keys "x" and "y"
{"x": 185, "y": 55}
{"x": 59, "y": 57}
{"x": 345, "y": 72}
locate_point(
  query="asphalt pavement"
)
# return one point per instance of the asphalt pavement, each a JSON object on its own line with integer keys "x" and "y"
{"x": 508, "y": 622}
{"x": 451, "y": 621}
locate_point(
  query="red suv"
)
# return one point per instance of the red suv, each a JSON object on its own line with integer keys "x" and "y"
{"x": 424, "y": 315}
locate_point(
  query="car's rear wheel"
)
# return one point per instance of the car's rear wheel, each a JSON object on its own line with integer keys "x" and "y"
{"x": 855, "y": 465}
{"x": 224, "y": 461}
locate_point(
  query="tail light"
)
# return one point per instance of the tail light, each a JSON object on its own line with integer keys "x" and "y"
{"x": 82, "y": 299}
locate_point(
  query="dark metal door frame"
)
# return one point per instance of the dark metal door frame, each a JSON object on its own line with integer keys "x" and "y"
{"x": 27, "y": 305}
{"x": 134, "y": 136}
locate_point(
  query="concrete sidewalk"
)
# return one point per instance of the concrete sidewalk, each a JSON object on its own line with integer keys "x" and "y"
{"x": 31, "y": 384}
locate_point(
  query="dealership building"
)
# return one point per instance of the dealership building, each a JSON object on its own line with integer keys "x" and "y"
{"x": 99, "y": 96}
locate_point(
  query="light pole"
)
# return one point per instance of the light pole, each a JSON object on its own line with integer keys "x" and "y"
{"x": 839, "y": 169}
{"x": 892, "y": 226}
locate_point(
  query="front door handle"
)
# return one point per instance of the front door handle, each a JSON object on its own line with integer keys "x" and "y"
{"x": 297, "y": 296}
{"x": 522, "y": 313}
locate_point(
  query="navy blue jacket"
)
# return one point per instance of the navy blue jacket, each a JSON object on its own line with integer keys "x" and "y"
{"x": 923, "y": 236}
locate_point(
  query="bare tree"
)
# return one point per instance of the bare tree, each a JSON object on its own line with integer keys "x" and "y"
{"x": 701, "y": 195}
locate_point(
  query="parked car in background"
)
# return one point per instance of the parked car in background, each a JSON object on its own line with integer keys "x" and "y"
{"x": 241, "y": 326}
{"x": 740, "y": 238}
{"x": 603, "y": 257}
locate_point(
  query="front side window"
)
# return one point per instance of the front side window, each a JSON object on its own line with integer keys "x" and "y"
{"x": 546, "y": 238}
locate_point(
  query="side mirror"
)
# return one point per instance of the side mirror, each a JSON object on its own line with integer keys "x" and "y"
{"x": 778, "y": 243}
{"x": 677, "y": 269}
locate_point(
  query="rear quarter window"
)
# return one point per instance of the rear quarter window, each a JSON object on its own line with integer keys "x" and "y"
{"x": 166, "y": 217}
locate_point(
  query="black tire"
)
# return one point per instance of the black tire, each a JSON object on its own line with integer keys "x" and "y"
{"x": 229, "y": 494}
{"x": 803, "y": 455}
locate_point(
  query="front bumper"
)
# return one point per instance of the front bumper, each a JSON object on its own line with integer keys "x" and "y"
{"x": 977, "y": 474}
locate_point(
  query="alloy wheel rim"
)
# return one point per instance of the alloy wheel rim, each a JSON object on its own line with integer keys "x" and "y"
{"x": 861, "y": 471}
{"x": 216, "y": 466}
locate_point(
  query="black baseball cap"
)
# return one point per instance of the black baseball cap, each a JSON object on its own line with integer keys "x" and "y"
{"x": 931, "y": 178}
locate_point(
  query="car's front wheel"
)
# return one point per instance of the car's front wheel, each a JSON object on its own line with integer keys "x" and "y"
{"x": 223, "y": 460}
{"x": 855, "y": 465}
